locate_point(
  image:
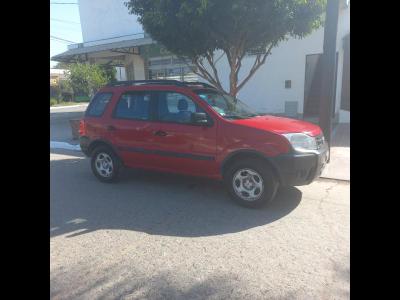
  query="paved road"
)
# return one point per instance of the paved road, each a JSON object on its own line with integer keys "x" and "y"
{"x": 60, "y": 129}
{"x": 157, "y": 236}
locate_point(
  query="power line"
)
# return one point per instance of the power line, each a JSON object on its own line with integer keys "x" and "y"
{"x": 115, "y": 37}
{"x": 66, "y": 43}
{"x": 64, "y": 21}
{"x": 61, "y": 39}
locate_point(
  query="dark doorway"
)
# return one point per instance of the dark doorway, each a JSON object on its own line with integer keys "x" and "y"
{"x": 313, "y": 83}
{"x": 345, "y": 97}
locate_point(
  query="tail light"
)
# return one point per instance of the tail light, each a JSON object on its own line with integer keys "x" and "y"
{"x": 82, "y": 128}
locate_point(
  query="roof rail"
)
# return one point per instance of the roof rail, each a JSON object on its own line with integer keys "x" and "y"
{"x": 141, "y": 82}
{"x": 203, "y": 84}
{"x": 160, "y": 82}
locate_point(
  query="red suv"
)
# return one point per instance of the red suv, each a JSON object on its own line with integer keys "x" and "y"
{"x": 191, "y": 128}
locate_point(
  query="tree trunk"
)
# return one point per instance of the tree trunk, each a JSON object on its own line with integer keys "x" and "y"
{"x": 235, "y": 63}
{"x": 233, "y": 80}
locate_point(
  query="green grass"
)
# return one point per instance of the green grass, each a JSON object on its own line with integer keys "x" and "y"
{"x": 82, "y": 98}
{"x": 53, "y": 101}
{"x": 64, "y": 103}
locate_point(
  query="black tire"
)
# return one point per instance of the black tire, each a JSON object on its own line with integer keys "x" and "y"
{"x": 116, "y": 164}
{"x": 269, "y": 182}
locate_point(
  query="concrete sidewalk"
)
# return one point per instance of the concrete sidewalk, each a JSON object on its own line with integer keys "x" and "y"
{"x": 339, "y": 165}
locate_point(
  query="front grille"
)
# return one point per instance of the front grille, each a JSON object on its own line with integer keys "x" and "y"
{"x": 320, "y": 140}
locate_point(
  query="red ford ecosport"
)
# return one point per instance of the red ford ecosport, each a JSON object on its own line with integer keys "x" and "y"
{"x": 192, "y": 128}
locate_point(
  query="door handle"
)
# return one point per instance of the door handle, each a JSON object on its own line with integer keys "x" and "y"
{"x": 111, "y": 128}
{"x": 160, "y": 133}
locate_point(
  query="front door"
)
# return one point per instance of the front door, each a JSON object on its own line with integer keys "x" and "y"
{"x": 185, "y": 147}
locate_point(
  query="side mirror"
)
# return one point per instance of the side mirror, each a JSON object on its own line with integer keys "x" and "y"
{"x": 199, "y": 118}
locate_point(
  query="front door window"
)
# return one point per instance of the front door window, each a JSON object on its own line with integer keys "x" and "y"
{"x": 176, "y": 108}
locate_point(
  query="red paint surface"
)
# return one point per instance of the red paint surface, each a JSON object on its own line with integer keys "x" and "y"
{"x": 262, "y": 134}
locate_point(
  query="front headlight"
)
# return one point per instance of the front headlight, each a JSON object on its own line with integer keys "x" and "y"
{"x": 301, "y": 142}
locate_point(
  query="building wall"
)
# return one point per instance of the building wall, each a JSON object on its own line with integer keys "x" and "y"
{"x": 104, "y": 19}
{"x": 139, "y": 70}
{"x": 266, "y": 90}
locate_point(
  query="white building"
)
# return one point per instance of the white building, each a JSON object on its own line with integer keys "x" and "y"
{"x": 286, "y": 84}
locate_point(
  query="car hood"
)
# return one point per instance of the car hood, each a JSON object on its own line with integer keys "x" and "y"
{"x": 280, "y": 125}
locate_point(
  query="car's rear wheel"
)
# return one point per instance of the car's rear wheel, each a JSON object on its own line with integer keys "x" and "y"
{"x": 105, "y": 164}
{"x": 251, "y": 182}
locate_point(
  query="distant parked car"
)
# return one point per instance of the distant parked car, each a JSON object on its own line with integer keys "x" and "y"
{"x": 193, "y": 129}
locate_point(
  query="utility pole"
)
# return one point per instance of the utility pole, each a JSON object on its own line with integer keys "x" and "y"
{"x": 329, "y": 65}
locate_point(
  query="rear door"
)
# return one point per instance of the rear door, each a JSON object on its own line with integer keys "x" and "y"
{"x": 132, "y": 130}
{"x": 186, "y": 147}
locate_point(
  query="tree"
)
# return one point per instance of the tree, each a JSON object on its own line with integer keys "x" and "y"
{"x": 197, "y": 29}
{"x": 87, "y": 79}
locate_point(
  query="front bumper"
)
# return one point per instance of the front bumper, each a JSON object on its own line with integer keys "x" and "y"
{"x": 296, "y": 169}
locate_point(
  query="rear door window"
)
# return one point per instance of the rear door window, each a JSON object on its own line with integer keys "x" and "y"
{"x": 134, "y": 106}
{"x": 98, "y": 104}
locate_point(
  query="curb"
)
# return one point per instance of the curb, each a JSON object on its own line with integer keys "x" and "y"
{"x": 64, "y": 145}
{"x": 333, "y": 179}
{"x": 67, "y": 106}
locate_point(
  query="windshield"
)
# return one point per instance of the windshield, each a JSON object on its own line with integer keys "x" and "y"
{"x": 226, "y": 106}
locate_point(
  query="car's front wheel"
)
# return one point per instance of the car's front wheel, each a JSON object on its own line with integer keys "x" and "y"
{"x": 105, "y": 164}
{"x": 251, "y": 183}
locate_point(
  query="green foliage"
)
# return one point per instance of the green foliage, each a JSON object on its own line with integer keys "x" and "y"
{"x": 55, "y": 91}
{"x": 109, "y": 71}
{"x": 197, "y": 28}
{"x": 82, "y": 98}
{"x": 53, "y": 101}
{"x": 193, "y": 27}
{"x": 65, "y": 86}
{"x": 85, "y": 79}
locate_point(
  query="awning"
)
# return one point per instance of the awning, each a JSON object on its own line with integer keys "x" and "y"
{"x": 80, "y": 53}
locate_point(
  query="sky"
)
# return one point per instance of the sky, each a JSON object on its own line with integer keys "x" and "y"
{"x": 64, "y": 24}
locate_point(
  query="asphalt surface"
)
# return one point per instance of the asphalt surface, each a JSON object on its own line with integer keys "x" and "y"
{"x": 158, "y": 236}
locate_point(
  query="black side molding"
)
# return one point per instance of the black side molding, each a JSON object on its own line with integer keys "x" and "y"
{"x": 166, "y": 153}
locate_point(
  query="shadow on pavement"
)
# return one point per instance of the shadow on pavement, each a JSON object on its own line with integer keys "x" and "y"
{"x": 159, "y": 286}
{"x": 160, "y": 204}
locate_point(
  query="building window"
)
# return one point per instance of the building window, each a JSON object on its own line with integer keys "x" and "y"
{"x": 158, "y": 62}
{"x": 257, "y": 51}
{"x": 180, "y": 73}
{"x": 171, "y": 68}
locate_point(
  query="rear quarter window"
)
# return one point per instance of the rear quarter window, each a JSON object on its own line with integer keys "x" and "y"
{"x": 98, "y": 104}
